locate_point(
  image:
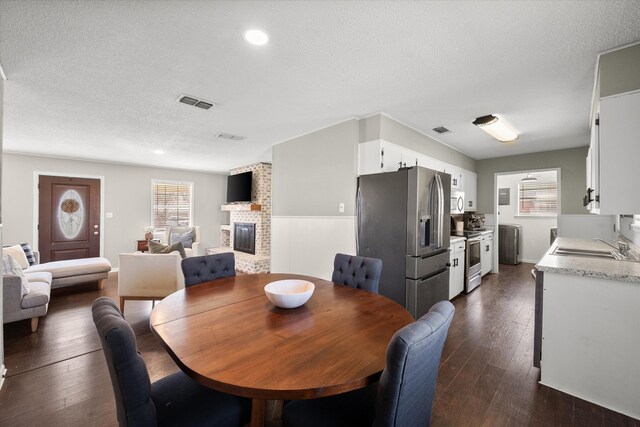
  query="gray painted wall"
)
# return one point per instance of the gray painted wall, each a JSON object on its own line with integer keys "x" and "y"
{"x": 571, "y": 161}
{"x": 619, "y": 71}
{"x": 127, "y": 192}
{"x": 314, "y": 173}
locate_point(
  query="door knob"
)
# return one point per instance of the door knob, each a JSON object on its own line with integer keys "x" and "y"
{"x": 95, "y": 233}
{"x": 95, "y": 226}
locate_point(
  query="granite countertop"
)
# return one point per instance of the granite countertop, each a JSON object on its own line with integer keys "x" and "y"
{"x": 455, "y": 239}
{"x": 588, "y": 266}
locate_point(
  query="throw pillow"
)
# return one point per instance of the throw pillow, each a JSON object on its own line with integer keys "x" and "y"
{"x": 31, "y": 258}
{"x": 185, "y": 238}
{"x": 159, "y": 248}
{"x": 17, "y": 254}
{"x": 11, "y": 267}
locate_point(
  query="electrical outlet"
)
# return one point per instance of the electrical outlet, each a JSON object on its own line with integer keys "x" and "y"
{"x": 341, "y": 208}
{"x": 108, "y": 215}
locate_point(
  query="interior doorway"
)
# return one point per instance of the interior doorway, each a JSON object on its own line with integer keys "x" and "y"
{"x": 69, "y": 222}
{"x": 530, "y": 199}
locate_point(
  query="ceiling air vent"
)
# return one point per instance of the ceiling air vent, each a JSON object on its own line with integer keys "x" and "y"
{"x": 441, "y": 129}
{"x": 231, "y": 137}
{"x": 190, "y": 100}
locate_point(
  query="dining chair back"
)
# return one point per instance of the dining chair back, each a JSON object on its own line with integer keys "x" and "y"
{"x": 173, "y": 400}
{"x": 405, "y": 393}
{"x": 408, "y": 383}
{"x": 208, "y": 267}
{"x": 357, "y": 272}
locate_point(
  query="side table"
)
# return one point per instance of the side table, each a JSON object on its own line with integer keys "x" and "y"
{"x": 143, "y": 245}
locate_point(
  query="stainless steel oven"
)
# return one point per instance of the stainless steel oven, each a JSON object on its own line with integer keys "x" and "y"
{"x": 472, "y": 275}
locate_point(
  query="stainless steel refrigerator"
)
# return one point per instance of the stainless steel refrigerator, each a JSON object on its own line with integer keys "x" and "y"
{"x": 403, "y": 219}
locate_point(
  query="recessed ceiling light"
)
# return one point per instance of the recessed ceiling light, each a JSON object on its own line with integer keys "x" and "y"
{"x": 158, "y": 152}
{"x": 256, "y": 37}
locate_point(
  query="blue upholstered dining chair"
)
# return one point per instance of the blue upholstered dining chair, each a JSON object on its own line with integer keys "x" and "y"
{"x": 175, "y": 400}
{"x": 357, "y": 272}
{"x": 404, "y": 395}
{"x": 200, "y": 269}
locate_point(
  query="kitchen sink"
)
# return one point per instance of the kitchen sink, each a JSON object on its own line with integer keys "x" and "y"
{"x": 582, "y": 252}
{"x": 613, "y": 254}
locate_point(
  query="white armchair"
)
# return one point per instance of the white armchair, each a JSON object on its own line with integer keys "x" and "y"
{"x": 196, "y": 249}
{"x": 145, "y": 276}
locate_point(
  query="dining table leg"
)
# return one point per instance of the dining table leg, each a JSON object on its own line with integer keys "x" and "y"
{"x": 258, "y": 408}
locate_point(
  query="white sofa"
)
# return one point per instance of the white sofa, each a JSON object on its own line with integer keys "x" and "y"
{"x": 144, "y": 276}
{"x": 196, "y": 247}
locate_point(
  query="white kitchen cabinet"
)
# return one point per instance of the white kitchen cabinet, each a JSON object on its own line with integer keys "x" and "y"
{"x": 591, "y": 199}
{"x": 430, "y": 163}
{"x": 470, "y": 188}
{"x": 456, "y": 176}
{"x": 614, "y": 154}
{"x": 590, "y": 342}
{"x": 456, "y": 271}
{"x": 486, "y": 253}
{"x": 382, "y": 156}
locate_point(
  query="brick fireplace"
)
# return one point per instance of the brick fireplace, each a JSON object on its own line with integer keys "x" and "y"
{"x": 258, "y": 214}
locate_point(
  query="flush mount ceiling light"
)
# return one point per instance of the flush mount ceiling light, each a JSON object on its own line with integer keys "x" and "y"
{"x": 158, "y": 152}
{"x": 256, "y": 37}
{"x": 528, "y": 178}
{"x": 496, "y": 128}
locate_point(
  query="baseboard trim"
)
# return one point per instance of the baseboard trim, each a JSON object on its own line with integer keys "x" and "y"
{"x": 4, "y": 375}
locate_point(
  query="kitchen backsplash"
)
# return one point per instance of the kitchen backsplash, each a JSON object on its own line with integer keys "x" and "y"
{"x": 628, "y": 230}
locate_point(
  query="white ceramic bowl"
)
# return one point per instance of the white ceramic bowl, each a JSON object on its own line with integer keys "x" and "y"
{"x": 289, "y": 293}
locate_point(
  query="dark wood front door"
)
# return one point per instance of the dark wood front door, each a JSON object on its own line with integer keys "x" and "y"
{"x": 69, "y": 218}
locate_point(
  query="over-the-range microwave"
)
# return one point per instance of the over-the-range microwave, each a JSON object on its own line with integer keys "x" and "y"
{"x": 457, "y": 202}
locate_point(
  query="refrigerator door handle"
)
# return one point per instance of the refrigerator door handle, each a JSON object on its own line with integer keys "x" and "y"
{"x": 358, "y": 219}
{"x": 440, "y": 209}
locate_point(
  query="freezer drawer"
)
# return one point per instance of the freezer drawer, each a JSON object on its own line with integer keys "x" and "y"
{"x": 420, "y": 267}
{"x": 423, "y": 293}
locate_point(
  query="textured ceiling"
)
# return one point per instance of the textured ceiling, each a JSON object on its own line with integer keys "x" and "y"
{"x": 99, "y": 79}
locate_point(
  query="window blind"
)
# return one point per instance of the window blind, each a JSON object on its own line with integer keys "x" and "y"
{"x": 171, "y": 204}
{"x": 538, "y": 198}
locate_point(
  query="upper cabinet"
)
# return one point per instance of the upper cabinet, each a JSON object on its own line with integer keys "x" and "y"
{"x": 456, "y": 176}
{"x": 382, "y": 156}
{"x": 616, "y": 169}
{"x": 611, "y": 164}
{"x": 470, "y": 188}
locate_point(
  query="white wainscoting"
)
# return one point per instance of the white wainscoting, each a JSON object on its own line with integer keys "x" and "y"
{"x": 308, "y": 244}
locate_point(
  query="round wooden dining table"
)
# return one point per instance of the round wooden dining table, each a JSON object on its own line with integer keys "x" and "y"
{"x": 228, "y": 336}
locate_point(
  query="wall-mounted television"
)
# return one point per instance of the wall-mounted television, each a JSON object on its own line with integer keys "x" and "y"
{"x": 239, "y": 187}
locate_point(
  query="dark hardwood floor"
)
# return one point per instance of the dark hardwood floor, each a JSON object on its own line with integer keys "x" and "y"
{"x": 58, "y": 376}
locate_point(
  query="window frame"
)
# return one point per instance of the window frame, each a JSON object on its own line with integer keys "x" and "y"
{"x": 159, "y": 231}
{"x": 539, "y": 215}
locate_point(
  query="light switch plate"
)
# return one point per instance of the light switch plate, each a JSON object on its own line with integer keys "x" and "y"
{"x": 341, "y": 208}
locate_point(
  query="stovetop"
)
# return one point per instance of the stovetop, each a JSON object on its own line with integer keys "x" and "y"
{"x": 466, "y": 233}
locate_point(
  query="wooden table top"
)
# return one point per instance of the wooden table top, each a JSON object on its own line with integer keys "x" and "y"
{"x": 227, "y": 335}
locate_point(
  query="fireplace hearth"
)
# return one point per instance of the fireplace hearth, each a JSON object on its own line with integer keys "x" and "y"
{"x": 244, "y": 237}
